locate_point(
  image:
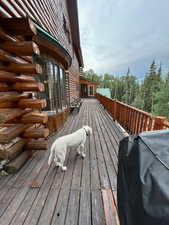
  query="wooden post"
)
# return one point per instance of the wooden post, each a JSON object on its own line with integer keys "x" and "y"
{"x": 115, "y": 110}
{"x": 159, "y": 122}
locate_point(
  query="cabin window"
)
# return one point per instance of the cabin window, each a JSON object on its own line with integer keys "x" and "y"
{"x": 90, "y": 91}
{"x": 53, "y": 78}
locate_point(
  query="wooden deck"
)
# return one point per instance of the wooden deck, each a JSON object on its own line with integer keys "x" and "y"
{"x": 85, "y": 194}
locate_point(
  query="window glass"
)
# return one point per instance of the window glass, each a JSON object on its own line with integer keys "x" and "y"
{"x": 63, "y": 87}
{"x": 54, "y": 79}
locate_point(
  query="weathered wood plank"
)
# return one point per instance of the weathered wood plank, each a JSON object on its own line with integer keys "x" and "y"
{"x": 71, "y": 197}
{"x": 110, "y": 210}
{"x": 98, "y": 216}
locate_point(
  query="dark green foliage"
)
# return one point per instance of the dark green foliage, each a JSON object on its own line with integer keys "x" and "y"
{"x": 152, "y": 95}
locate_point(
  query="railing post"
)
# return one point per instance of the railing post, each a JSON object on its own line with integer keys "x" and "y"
{"x": 159, "y": 122}
{"x": 115, "y": 110}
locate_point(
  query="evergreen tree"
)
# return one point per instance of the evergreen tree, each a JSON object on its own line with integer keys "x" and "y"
{"x": 152, "y": 84}
{"x": 161, "y": 108}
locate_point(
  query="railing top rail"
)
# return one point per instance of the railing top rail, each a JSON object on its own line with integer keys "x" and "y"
{"x": 141, "y": 120}
{"x": 128, "y": 106}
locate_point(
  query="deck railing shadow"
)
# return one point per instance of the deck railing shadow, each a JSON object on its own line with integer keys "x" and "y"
{"x": 133, "y": 120}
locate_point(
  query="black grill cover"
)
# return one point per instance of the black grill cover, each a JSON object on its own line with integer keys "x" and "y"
{"x": 143, "y": 179}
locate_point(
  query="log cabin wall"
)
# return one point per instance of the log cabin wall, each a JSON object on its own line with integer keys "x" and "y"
{"x": 53, "y": 16}
{"x": 21, "y": 115}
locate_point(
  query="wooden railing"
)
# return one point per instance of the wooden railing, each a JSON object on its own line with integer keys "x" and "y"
{"x": 133, "y": 120}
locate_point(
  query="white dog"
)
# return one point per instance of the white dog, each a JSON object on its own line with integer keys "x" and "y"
{"x": 76, "y": 139}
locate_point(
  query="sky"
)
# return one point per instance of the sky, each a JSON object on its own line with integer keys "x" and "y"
{"x": 117, "y": 34}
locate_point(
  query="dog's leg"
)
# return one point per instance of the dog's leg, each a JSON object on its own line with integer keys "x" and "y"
{"x": 79, "y": 150}
{"x": 64, "y": 168}
{"x": 83, "y": 151}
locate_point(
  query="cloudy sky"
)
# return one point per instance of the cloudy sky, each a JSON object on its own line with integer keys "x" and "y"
{"x": 117, "y": 34}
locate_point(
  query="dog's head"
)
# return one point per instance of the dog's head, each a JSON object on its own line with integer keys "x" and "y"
{"x": 88, "y": 130}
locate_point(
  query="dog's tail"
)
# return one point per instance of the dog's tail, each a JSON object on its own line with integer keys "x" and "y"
{"x": 50, "y": 156}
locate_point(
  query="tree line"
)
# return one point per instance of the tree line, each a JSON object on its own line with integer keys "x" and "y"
{"x": 150, "y": 95}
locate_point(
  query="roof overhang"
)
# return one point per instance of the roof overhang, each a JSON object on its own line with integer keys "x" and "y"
{"x": 85, "y": 80}
{"x": 74, "y": 23}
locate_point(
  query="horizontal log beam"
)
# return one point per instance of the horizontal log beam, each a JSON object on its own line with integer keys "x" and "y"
{"x": 8, "y": 133}
{"x": 18, "y": 26}
{"x": 11, "y": 152}
{"x": 24, "y": 48}
{"x": 7, "y": 57}
{"x": 4, "y": 36}
{"x": 34, "y": 144}
{"x": 4, "y": 105}
{"x": 34, "y": 117}
{"x": 36, "y": 133}
{"x": 8, "y": 114}
{"x": 28, "y": 86}
{"x": 32, "y": 103}
{"x": 25, "y": 79}
{"x": 13, "y": 78}
{"x": 25, "y": 68}
{"x": 17, "y": 163}
{"x": 12, "y": 97}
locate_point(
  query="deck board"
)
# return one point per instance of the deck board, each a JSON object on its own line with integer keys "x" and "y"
{"x": 42, "y": 195}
